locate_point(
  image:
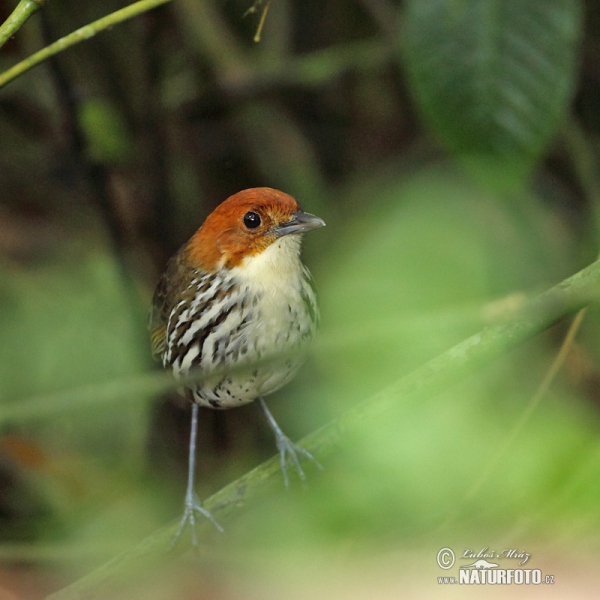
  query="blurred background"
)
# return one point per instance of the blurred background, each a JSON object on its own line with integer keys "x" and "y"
{"x": 451, "y": 147}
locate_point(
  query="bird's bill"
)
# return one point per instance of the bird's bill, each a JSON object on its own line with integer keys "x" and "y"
{"x": 301, "y": 222}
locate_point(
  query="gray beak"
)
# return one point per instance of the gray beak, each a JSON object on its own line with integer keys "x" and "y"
{"x": 301, "y": 222}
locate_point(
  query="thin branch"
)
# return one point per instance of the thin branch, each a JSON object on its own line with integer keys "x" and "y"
{"x": 80, "y": 35}
{"x": 261, "y": 23}
{"x": 17, "y": 18}
{"x": 448, "y": 368}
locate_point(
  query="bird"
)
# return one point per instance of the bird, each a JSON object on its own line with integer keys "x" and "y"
{"x": 237, "y": 305}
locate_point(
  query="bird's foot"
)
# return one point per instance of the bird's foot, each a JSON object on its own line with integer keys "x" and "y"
{"x": 287, "y": 447}
{"x": 193, "y": 506}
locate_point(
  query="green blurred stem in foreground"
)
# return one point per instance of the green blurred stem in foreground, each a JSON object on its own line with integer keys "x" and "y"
{"x": 416, "y": 388}
{"x": 22, "y": 12}
{"x": 81, "y": 34}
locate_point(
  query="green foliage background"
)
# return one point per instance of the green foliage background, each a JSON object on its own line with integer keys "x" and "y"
{"x": 451, "y": 147}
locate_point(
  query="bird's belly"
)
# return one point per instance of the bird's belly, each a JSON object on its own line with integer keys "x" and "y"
{"x": 245, "y": 385}
{"x": 254, "y": 352}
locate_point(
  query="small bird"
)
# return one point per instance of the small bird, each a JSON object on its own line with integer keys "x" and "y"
{"x": 237, "y": 304}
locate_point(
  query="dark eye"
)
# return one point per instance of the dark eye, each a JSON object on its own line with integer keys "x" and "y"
{"x": 252, "y": 220}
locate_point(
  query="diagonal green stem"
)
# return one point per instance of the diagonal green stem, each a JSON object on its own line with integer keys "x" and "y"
{"x": 81, "y": 34}
{"x": 22, "y": 12}
{"x": 422, "y": 384}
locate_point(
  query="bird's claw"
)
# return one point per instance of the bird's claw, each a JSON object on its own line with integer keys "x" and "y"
{"x": 192, "y": 506}
{"x": 285, "y": 447}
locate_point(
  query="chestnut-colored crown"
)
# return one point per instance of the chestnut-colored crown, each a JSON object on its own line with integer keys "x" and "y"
{"x": 224, "y": 239}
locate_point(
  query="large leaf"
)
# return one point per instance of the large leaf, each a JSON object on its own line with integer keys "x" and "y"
{"x": 493, "y": 77}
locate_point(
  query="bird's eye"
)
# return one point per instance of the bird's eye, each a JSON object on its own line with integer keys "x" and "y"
{"x": 252, "y": 220}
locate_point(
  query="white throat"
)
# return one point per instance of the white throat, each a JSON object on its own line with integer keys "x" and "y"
{"x": 273, "y": 268}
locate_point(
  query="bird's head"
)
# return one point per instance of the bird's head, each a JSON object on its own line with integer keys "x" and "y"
{"x": 246, "y": 225}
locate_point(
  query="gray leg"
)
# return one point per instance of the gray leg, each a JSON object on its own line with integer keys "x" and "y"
{"x": 286, "y": 446}
{"x": 192, "y": 502}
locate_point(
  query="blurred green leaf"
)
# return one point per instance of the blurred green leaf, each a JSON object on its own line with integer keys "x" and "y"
{"x": 404, "y": 475}
{"x": 418, "y": 268}
{"x": 106, "y": 133}
{"x": 70, "y": 326}
{"x": 493, "y": 77}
